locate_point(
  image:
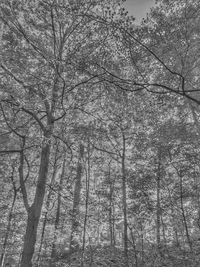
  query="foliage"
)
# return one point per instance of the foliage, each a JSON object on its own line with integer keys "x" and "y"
{"x": 99, "y": 137}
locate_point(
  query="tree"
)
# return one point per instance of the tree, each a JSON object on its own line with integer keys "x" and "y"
{"x": 41, "y": 67}
{"x": 99, "y": 134}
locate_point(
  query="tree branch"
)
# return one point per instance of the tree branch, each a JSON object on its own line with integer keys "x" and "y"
{"x": 21, "y": 178}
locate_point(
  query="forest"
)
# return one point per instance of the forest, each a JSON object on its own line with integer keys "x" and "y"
{"x": 99, "y": 134}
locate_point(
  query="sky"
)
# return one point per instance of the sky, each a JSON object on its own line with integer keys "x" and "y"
{"x": 138, "y": 8}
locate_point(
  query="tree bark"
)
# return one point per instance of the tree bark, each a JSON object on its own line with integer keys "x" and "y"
{"x": 34, "y": 211}
{"x": 47, "y": 206}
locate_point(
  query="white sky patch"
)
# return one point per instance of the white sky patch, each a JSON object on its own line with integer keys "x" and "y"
{"x": 138, "y": 8}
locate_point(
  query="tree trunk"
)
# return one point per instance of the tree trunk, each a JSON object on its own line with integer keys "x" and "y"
{"x": 183, "y": 212}
{"x": 77, "y": 191}
{"x": 86, "y": 203}
{"x": 134, "y": 247}
{"x": 98, "y": 221}
{"x": 47, "y": 206}
{"x": 57, "y": 219}
{"x": 197, "y": 124}
{"x": 8, "y": 229}
{"x": 142, "y": 243}
{"x": 158, "y": 215}
{"x": 111, "y": 228}
{"x": 163, "y": 231}
{"x": 34, "y": 211}
{"x": 113, "y": 223}
{"x": 174, "y": 224}
{"x": 124, "y": 201}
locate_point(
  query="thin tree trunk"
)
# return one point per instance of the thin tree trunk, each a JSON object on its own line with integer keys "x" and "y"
{"x": 86, "y": 204}
{"x": 163, "y": 231}
{"x": 183, "y": 212}
{"x": 134, "y": 247}
{"x": 113, "y": 223}
{"x": 74, "y": 245}
{"x": 158, "y": 210}
{"x": 57, "y": 219}
{"x": 8, "y": 229}
{"x": 172, "y": 209}
{"x": 173, "y": 220}
{"x": 142, "y": 244}
{"x": 197, "y": 124}
{"x": 111, "y": 208}
{"x": 124, "y": 201}
{"x": 98, "y": 221}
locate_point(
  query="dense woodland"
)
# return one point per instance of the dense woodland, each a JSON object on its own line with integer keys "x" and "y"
{"x": 99, "y": 134}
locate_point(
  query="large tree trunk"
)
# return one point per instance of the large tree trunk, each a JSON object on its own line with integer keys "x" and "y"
{"x": 34, "y": 211}
{"x": 48, "y": 201}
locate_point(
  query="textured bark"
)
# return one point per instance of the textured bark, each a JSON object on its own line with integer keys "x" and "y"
{"x": 34, "y": 211}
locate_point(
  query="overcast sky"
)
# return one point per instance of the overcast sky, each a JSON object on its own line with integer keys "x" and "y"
{"x": 138, "y": 8}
